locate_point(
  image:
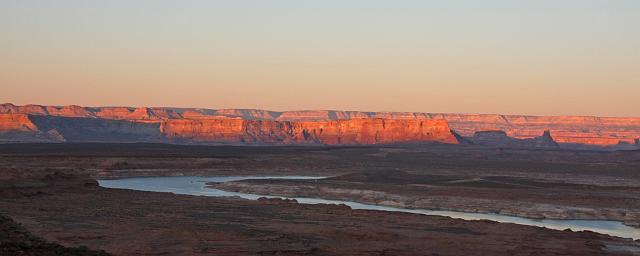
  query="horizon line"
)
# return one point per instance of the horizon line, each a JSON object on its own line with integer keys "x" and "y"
{"x": 308, "y": 110}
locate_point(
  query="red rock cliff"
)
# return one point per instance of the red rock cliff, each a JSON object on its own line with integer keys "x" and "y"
{"x": 16, "y": 123}
{"x": 353, "y": 131}
{"x": 565, "y": 129}
{"x": 378, "y": 131}
{"x": 601, "y": 131}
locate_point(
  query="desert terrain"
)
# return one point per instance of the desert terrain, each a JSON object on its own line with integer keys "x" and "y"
{"x": 289, "y": 128}
{"x": 38, "y": 123}
{"x": 50, "y": 192}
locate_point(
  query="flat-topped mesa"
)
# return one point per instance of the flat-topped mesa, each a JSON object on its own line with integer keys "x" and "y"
{"x": 69, "y": 111}
{"x": 378, "y": 131}
{"x": 601, "y": 131}
{"x": 339, "y": 132}
{"x": 66, "y": 111}
{"x": 117, "y": 113}
{"x": 249, "y": 114}
{"x": 325, "y": 115}
{"x": 125, "y": 113}
{"x": 501, "y": 139}
{"x": 235, "y": 131}
{"x": 321, "y": 115}
{"x": 567, "y": 130}
{"x": 9, "y": 108}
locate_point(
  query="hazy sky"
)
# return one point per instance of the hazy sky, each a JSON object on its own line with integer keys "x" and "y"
{"x": 479, "y": 56}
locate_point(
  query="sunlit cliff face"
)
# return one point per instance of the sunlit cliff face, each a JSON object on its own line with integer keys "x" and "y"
{"x": 338, "y": 132}
{"x": 328, "y": 127}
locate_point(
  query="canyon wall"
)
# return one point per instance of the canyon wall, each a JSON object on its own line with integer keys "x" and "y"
{"x": 16, "y": 123}
{"x": 256, "y": 126}
{"x": 336, "y": 132}
{"x": 603, "y": 131}
{"x": 71, "y": 124}
{"x": 19, "y": 128}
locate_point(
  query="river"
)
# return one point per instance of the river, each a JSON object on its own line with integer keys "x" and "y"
{"x": 191, "y": 185}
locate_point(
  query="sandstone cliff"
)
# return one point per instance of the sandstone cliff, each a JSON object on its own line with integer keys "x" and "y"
{"x": 50, "y": 128}
{"x": 567, "y": 130}
{"x": 20, "y": 128}
{"x": 602, "y": 131}
{"x": 500, "y": 139}
{"x": 352, "y": 131}
{"x": 16, "y": 123}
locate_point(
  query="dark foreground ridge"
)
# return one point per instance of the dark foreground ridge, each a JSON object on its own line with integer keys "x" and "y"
{"x": 17, "y": 241}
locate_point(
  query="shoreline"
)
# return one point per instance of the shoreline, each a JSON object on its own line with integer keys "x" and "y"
{"x": 399, "y": 201}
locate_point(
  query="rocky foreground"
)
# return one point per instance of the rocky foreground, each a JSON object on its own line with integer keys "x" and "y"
{"x": 50, "y": 190}
{"x": 16, "y": 241}
{"x": 123, "y": 222}
{"x": 35, "y": 123}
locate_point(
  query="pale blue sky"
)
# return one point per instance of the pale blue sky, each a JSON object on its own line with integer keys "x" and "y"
{"x": 526, "y": 57}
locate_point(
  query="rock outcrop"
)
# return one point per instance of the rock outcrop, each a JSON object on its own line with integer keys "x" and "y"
{"x": 602, "y": 131}
{"x": 16, "y": 123}
{"x": 566, "y": 130}
{"x": 149, "y": 126}
{"x": 500, "y": 139}
{"x": 125, "y": 113}
{"x": 20, "y": 128}
{"x": 545, "y": 140}
{"x": 352, "y": 131}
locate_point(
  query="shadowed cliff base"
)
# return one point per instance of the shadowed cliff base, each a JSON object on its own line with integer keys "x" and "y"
{"x": 242, "y": 126}
{"x": 225, "y": 131}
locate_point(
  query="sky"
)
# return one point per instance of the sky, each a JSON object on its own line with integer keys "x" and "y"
{"x": 536, "y": 57}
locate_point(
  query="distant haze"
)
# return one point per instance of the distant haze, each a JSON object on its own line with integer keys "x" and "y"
{"x": 539, "y": 57}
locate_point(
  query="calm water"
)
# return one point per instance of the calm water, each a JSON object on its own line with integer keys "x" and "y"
{"x": 196, "y": 186}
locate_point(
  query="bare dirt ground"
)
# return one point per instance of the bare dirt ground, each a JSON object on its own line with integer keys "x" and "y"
{"x": 50, "y": 190}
